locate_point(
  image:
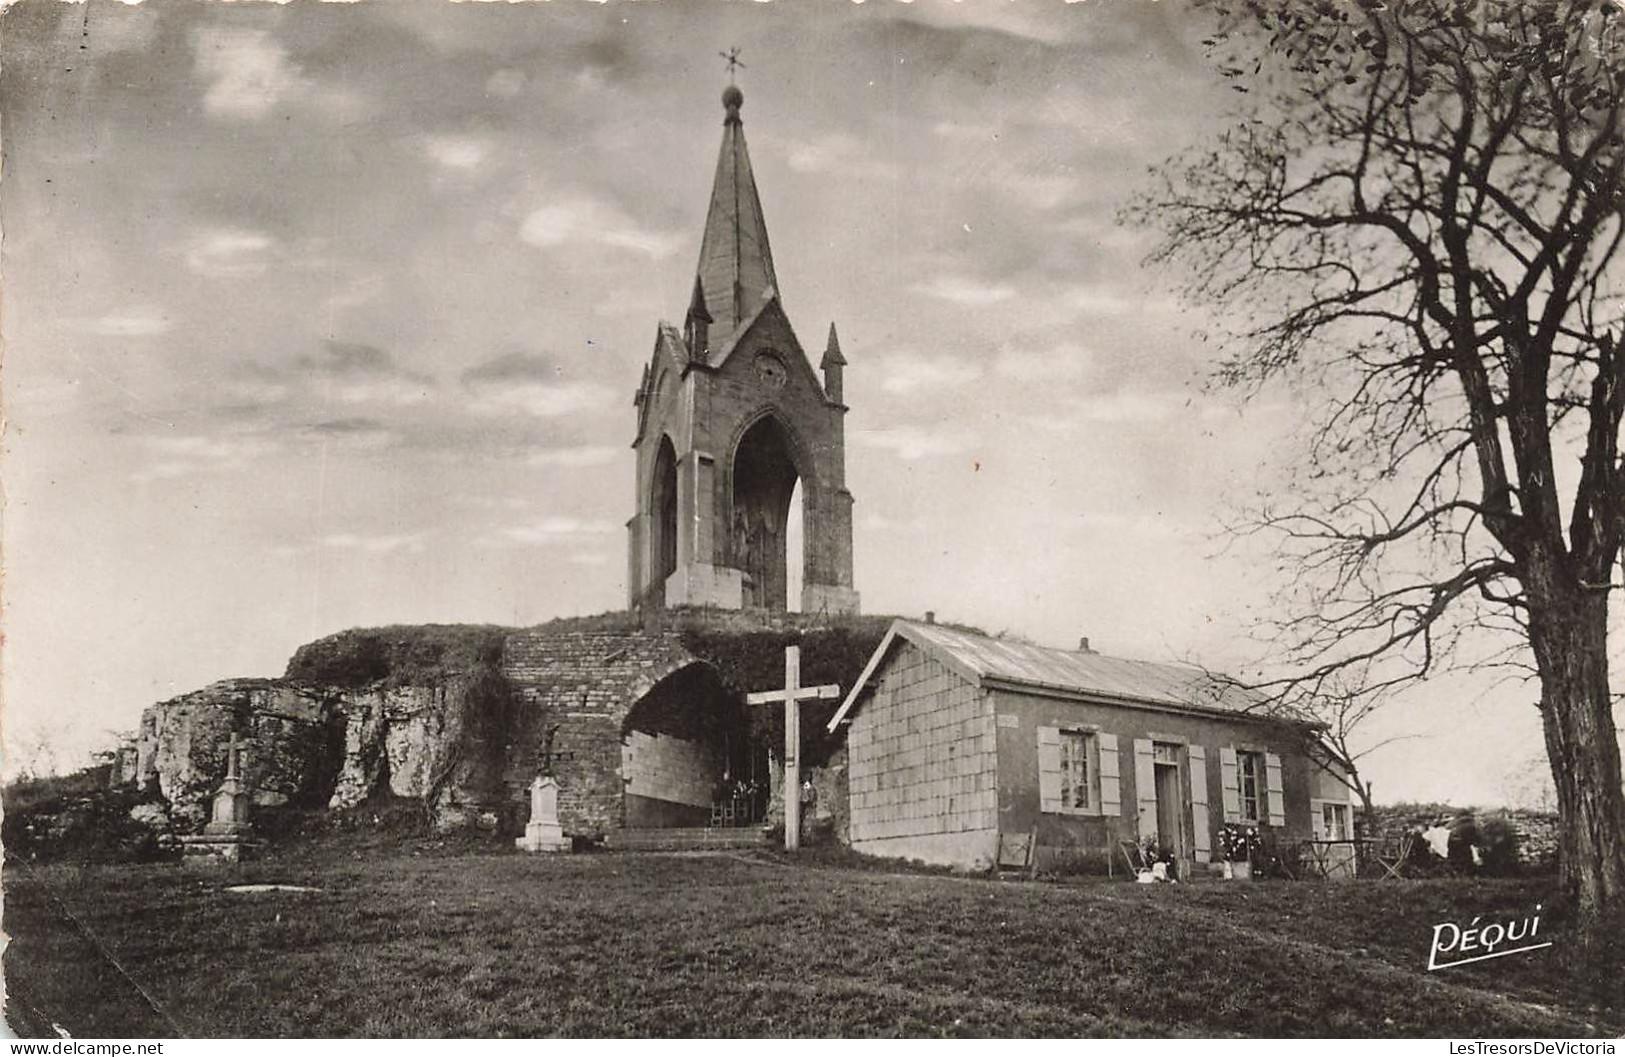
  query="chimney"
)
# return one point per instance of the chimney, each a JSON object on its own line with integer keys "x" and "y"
{"x": 930, "y": 616}
{"x": 1083, "y": 645}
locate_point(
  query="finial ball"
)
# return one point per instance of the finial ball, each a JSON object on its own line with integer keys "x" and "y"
{"x": 732, "y": 97}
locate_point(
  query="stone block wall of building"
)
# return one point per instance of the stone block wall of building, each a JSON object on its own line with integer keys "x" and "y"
{"x": 581, "y": 685}
{"x": 922, "y": 765}
{"x": 671, "y": 769}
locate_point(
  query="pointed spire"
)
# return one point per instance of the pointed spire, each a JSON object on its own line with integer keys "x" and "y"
{"x": 832, "y": 352}
{"x": 697, "y": 326}
{"x": 696, "y": 303}
{"x": 833, "y": 365}
{"x": 736, "y": 265}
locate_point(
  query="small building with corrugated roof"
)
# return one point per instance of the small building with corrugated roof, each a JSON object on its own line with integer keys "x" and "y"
{"x": 960, "y": 745}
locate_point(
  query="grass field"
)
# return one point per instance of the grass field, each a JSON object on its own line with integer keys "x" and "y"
{"x": 431, "y": 944}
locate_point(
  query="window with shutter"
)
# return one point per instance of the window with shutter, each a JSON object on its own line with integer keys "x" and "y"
{"x": 1199, "y": 818}
{"x": 1228, "y": 786}
{"x": 1049, "y": 769}
{"x": 1273, "y": 786}
{"x": 1075, "y": 770}
{"x": 1250, "y": 785}
{"x": 1145, "y": 786}
{"x": 1067, "y": 771}
{"x": 1111, "y": 797}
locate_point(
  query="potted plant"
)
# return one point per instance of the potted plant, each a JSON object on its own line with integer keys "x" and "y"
{"x": 1237, "y": 843}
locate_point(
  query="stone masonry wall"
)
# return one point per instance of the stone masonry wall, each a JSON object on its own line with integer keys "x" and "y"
{"x": 583, "y": 684}
{"x": 667, "y": 768}
{"x": 922, "y": 759}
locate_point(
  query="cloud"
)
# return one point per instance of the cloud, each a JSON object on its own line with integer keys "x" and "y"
{"x": 246, "y": 70}
{"x": 187, "y": 454}
{"x": 841, "y": 155}
{"x": 1134, "y": 526}
{"x": 911, "y": 372}
{"x": 912, "y": 443}
{"x": 228, "y": 253}
{"x": 505, "y": 84}
{"x": 255, "y": 385}
{"x": 139, "y": 322}
{"x": 379, "y": 544}
{"x": 350, "y": 358}
{"x": 364, "y": 433}
{"x": 550, "y": 531}
{"x": 547, "y": 400}
{"x": 458, "y": 153}
{"x": 577, "y": 219}
{"x": 1133, "y": 406}
{"x": 365, "y": 374}
{"x": 882, "y": 523}
{"x": 962, "y": 291}
{"x": 358, "y": 291}
{"x": 534, "y": 384}
{"x": 1034, "y": 187}
{"x": 1105, "y": 301}
{"x": 971, "y": 133}
{"x": 1034, "y": 23}
{"x": 1061, "y": 362}
{"x": 587, "y": 455}
{"x": 515, "y": 367}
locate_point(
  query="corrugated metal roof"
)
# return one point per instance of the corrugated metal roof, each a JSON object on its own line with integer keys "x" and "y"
{"x": 1072, "y": 672}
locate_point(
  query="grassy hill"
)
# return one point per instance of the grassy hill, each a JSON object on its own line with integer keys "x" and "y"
{"x": 423, "y": 943}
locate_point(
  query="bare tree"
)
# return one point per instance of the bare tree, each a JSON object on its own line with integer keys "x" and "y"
{"x": 1340, "y": 747}
{"x": 1415, "y": 222}
{"x": 32, "y": 752}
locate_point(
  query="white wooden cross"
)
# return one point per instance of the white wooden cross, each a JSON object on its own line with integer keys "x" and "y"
{"x": 792, "y": 695}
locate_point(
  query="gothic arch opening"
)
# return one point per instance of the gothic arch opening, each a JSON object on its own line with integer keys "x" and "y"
{"x": 663, "y": 545}
{"x": 764, "y": 482}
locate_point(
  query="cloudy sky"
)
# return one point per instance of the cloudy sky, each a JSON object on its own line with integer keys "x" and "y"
{"x": 324, "y": 315}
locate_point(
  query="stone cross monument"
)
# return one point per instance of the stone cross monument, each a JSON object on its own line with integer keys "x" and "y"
{"x": 230, "y": 811}
{"x": 543, "y": 832}
{"x": 228, "y": 835}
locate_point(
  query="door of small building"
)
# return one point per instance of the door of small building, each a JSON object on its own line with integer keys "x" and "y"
{"x": 1170, "y": 799}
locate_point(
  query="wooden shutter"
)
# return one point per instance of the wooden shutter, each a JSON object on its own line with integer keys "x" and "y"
{"x": 1317, "y": 819}
{"x": 1199, "y": 819}
{"x": 1049, "y": 768}
{"x": 1229, "y": 782}
{"x": 1272, "y": 769}
{"x": 1111, "y": 796}
{"x": 1145, "y": 786}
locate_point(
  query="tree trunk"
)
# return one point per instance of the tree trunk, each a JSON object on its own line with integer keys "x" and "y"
{"x": 1569, "y": 637}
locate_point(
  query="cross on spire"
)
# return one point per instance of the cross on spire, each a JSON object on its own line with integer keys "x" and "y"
{"x": 732, "y": 57}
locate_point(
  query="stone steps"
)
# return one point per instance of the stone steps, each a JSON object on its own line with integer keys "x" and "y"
{"x": 683, "y": 839}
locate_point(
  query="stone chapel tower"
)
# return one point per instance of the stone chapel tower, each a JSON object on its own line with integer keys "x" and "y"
{"x": 730, "y": 416}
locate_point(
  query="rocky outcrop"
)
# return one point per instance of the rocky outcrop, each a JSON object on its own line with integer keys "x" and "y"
{"x": 306, "y": 746}
{"x": 286, "y": 732}
{"x": 393, "y": 740}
